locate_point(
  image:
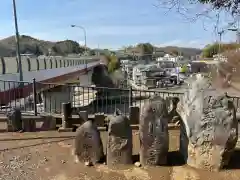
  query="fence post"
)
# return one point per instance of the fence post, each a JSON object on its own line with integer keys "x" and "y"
{"x": 85, "y": 62}
{"x": 130, "y": 96}
{"x": 34, "y": 97}
{"x": 66, "y": 115}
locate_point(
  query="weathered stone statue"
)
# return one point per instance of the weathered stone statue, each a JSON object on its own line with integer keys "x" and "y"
{"x": 88, "y": 143}
{"x": 15, "y": 120}
{"x": 209, "y": 129}
{"x": 119, "y": 145}
{"x": 153, "y": 130}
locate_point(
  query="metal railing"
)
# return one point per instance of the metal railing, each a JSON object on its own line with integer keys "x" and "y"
{"x": 36, "y": 98}
{"x": 95, "y": 99}
{"x": 18, "y": 94}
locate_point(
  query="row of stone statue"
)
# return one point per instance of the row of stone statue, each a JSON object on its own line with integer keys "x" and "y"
{"x": 154, "y": 139}
{"x": 208, "y": 133}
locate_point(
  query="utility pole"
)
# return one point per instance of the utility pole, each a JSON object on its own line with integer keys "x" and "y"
{"x": 17, "y": 42}
{"x": 220, "y": 42}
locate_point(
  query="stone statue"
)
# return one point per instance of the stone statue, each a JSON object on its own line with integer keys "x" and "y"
{"x": 209, "y": 129}
{"x": 88, "y": 143}
{"x": 153, "y": 130}
{"x": 15, "y": 120}
{"x": 119, "y": 145}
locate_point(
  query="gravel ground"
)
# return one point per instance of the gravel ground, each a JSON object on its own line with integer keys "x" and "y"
{"x": 47, "y": 155}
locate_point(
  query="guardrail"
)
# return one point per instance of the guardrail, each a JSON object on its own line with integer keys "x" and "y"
{"x": 9, "y": 65}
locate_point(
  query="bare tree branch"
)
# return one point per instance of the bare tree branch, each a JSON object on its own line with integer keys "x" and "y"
{"x": 203, "y": 10}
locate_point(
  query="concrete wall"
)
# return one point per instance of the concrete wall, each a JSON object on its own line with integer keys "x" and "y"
{"x": 53, "y": 99}
{"x": 9, "y": 65}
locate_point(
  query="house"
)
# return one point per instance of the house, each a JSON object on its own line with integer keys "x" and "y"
{"x": 127, "y": 67}
{"x": 145, "y": 74}
{"x": 219, "y": 57}
{"x": 168, "y": 57}
{"x": 137, "y": 74}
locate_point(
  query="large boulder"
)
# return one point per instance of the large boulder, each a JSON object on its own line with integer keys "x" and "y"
{"x": 153, "y": 130}
{"x": 209, "y": 129}
{"x": 88, "y": 143}
{"x": 119, "y": 145}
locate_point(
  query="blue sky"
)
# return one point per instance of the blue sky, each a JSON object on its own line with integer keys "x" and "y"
{"x": 109, "y": 23}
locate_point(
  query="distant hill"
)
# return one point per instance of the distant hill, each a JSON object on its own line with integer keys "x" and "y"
{"x": 145, "y": 48}
{"x": 30, "y": 45}
{"x": 35, "y": 46}
{"x": 186, "y": 52}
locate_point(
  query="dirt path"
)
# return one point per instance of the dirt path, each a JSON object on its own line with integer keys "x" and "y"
{"x": 47, "y": 155}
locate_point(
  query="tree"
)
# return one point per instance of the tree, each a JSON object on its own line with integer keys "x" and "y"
{"x": 38, "y": 52}
{"x": 214, "y": 10}
{"x": 92, "y": 53}
{"x": 232, "y": 6}
{"x": 174, "y": 52}
{"x": 215, "y": 48}
{"x": 145, "y": 48}
{"x": 113, "y": 63}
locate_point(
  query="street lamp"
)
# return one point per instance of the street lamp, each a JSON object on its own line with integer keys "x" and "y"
{"x": 85, "y": 35}
{"x": 237, "y": 33}
{"x": 17, "y": 42}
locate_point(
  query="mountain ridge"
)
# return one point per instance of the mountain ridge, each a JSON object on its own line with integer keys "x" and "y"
{"x": 31, "y": 45}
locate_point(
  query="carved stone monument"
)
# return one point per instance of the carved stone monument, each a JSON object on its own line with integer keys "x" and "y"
{"x": 153, "y": 130}
{"x": 209, "y": 129}
{"x": 88, "y": 143}
{"x": 119, "y": 145}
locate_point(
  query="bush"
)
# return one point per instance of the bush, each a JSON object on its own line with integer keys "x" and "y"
{"x": 229, "y": 70}
{"x": 113, "y": 63}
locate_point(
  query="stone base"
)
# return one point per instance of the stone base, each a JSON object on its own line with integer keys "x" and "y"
{"x": 9, "y": 128}
{"x": 99, "y": 120}
{"x": 134, "y": 115}
{"x": 29, "y": 125}
{"x": 212, "y": 161}
{"x": 61, "y": 129}
{"x": 49, "y": 123}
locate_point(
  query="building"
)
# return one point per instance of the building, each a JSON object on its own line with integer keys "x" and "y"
{"x": 137, "y": 74}
{"x": 127, "y": 67}
{"x": 219, "y": 57}
{"x": 168, "y": 57}
{"x": 145, "y": 74}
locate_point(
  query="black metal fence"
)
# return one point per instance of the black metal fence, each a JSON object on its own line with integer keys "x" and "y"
{"x": 94, "y": 99}
{"x": 17, "y": 94}
{"x": 36, "y": 98}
